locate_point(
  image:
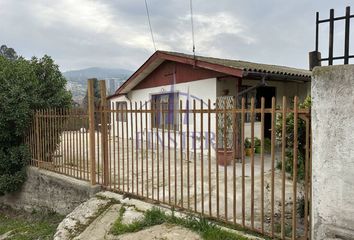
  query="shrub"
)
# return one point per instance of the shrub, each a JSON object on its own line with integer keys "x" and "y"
{"x": 289, "y": 141}
{"x": 25, "y": 85}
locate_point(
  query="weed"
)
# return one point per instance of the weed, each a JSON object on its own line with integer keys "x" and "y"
{"x": 156, "y": 216}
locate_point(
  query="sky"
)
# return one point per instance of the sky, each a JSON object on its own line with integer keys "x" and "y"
{"x": 115, "y": 34}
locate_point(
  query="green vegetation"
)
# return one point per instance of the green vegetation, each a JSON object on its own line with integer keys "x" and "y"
{"x": 25, "y": 226}
{"x": 25, "y": 85}
{"x": 155, "y": 216}
{"x": 290, "y": 141}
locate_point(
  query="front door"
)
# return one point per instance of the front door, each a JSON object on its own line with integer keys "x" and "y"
{"x": 267, "y": 93}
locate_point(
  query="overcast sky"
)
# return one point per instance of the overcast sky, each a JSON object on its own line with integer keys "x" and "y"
{"x": 115, "y": 34}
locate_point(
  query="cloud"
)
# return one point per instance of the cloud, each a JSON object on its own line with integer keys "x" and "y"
{"x": 84, "y": 33}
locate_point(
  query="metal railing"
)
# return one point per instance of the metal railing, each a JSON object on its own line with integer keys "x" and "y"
{"x": 193, "y": 157}
{"x": 315, "y": 57}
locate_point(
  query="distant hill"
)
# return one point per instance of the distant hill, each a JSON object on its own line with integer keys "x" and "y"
{"x": 77, "y": 79}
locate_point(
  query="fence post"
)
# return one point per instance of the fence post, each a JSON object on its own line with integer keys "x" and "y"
{"x": 104, "y": 142}
{"x": 91, "y": 114}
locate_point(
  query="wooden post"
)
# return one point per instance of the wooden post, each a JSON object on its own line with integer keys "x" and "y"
{"x": 91, "y": 114}
{"x": 104, "y": 139}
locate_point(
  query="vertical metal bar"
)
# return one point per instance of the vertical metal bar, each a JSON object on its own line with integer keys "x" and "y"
{"x": 295, "y": 154}
{"x": 169, "y": 151}
{"x": 317, "y": 30}
{"x": 70, "y": 143}
{"x": 306, "y": 195}
{"x": 347, "y": 35}
{"x": 181, "y": 147}
{"x": 40, "y": 143}
{"x": 217, "y": 156}
{"x": 262, "y": 164}
{"x": 81, "y": 147}
{"x": 142, "y": 149}
{"x": 235, "y": 147}
{"x": 111, "y": 169}
{"x": 175, "y": 124}
{"x": 163, "y": 151}
{"x": 147, "y": 150}
{"x": 195, "y": 155}
{"x": 113, "y": 128}
{"x": 66, "y": 146}
{"x": 132, "y": 143}
{"x": 225, "y": 135}
{"x": 153, "y": 116}
{"x": 91, "y": 112}
{"x": 272, "y": 165}
{"x": 87, "y": 149}
{"x": 331, "y": 37}
{"x": 201, "y": 154}
{"x": 252, "y": 162}
{"x": 243, "y": 159}
{"x": 209, "y": 158}
{"x": 136, "y": 149}
{"x": 158, "y": 151}
{"x": 77, "y": 157}
{"x": 118, "y": 113}
{"x": 188, "y": 173}
{"x": 283, "y": 145}
{"x": 45, "y": 133}
{"x": 127, "y": 146}
{"x": 124, "y": 118}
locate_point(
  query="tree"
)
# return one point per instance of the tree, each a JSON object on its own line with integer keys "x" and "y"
{"x": 8, "y": 53}
{"x": 25, "y": 85}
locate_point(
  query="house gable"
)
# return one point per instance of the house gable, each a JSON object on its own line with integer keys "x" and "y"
{"x": 169, "y": 72}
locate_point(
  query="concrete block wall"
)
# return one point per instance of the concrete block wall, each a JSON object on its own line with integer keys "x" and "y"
{"x": 50, "y": 191}
{"x": 332, "y": 92}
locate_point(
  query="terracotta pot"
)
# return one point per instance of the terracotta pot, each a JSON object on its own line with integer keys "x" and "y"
{"x": 224, "y": 156}
{"x": 248, "y": 151}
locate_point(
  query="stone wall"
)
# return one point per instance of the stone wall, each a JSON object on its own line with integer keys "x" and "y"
{"x": 333, "y": 152}
{"x": 50, "y": 191}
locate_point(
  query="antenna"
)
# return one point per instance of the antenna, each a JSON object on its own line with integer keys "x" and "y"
{"x": 148, "y": 16}
{"x": 192, "y": 22}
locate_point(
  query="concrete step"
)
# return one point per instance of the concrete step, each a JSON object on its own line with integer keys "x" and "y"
{"x": 101, "y": 226}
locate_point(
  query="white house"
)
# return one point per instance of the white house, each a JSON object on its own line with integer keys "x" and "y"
{"x": 168, "y": 78}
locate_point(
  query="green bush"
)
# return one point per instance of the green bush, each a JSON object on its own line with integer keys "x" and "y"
{"x": 25, "y": 85}
{"x": 289, "y": 141}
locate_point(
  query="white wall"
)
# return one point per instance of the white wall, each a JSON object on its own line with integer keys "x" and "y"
{"x": 333, "y": 152}
{"x": 194, "y": 91}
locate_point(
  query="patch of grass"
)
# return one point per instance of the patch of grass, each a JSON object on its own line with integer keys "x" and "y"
{"x": 152, "y": 217}
{"x": 26, "y": 226}
{"x": 155, "y": 216}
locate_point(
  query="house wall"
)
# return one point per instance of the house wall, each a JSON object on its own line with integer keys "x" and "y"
{"x": 194, "y": 91}
{"x": 288, "y": 89}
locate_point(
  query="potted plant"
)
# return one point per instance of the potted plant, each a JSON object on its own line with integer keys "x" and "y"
{"x": 257, "y": 145}
{"x": 248, "y": 147}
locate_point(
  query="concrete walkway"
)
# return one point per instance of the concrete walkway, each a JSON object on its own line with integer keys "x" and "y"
{"x": 94, "y": 219}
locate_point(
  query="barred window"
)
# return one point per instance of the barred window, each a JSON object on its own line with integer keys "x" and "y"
{"x": 165, "y": 110}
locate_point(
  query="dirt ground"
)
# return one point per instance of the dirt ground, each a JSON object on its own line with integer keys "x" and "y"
{"x": 199, "y": 185}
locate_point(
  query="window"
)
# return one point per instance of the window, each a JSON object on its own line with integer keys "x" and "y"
{"x": 165, "y": 114}
{"x": 121, "y": 115}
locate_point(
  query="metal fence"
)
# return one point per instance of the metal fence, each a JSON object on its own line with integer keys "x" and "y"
{"x": 191, "y": 155}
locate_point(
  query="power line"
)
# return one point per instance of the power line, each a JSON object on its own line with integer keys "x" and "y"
{"x": 192, "y": 22}
{"x": 148, "y": 16}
